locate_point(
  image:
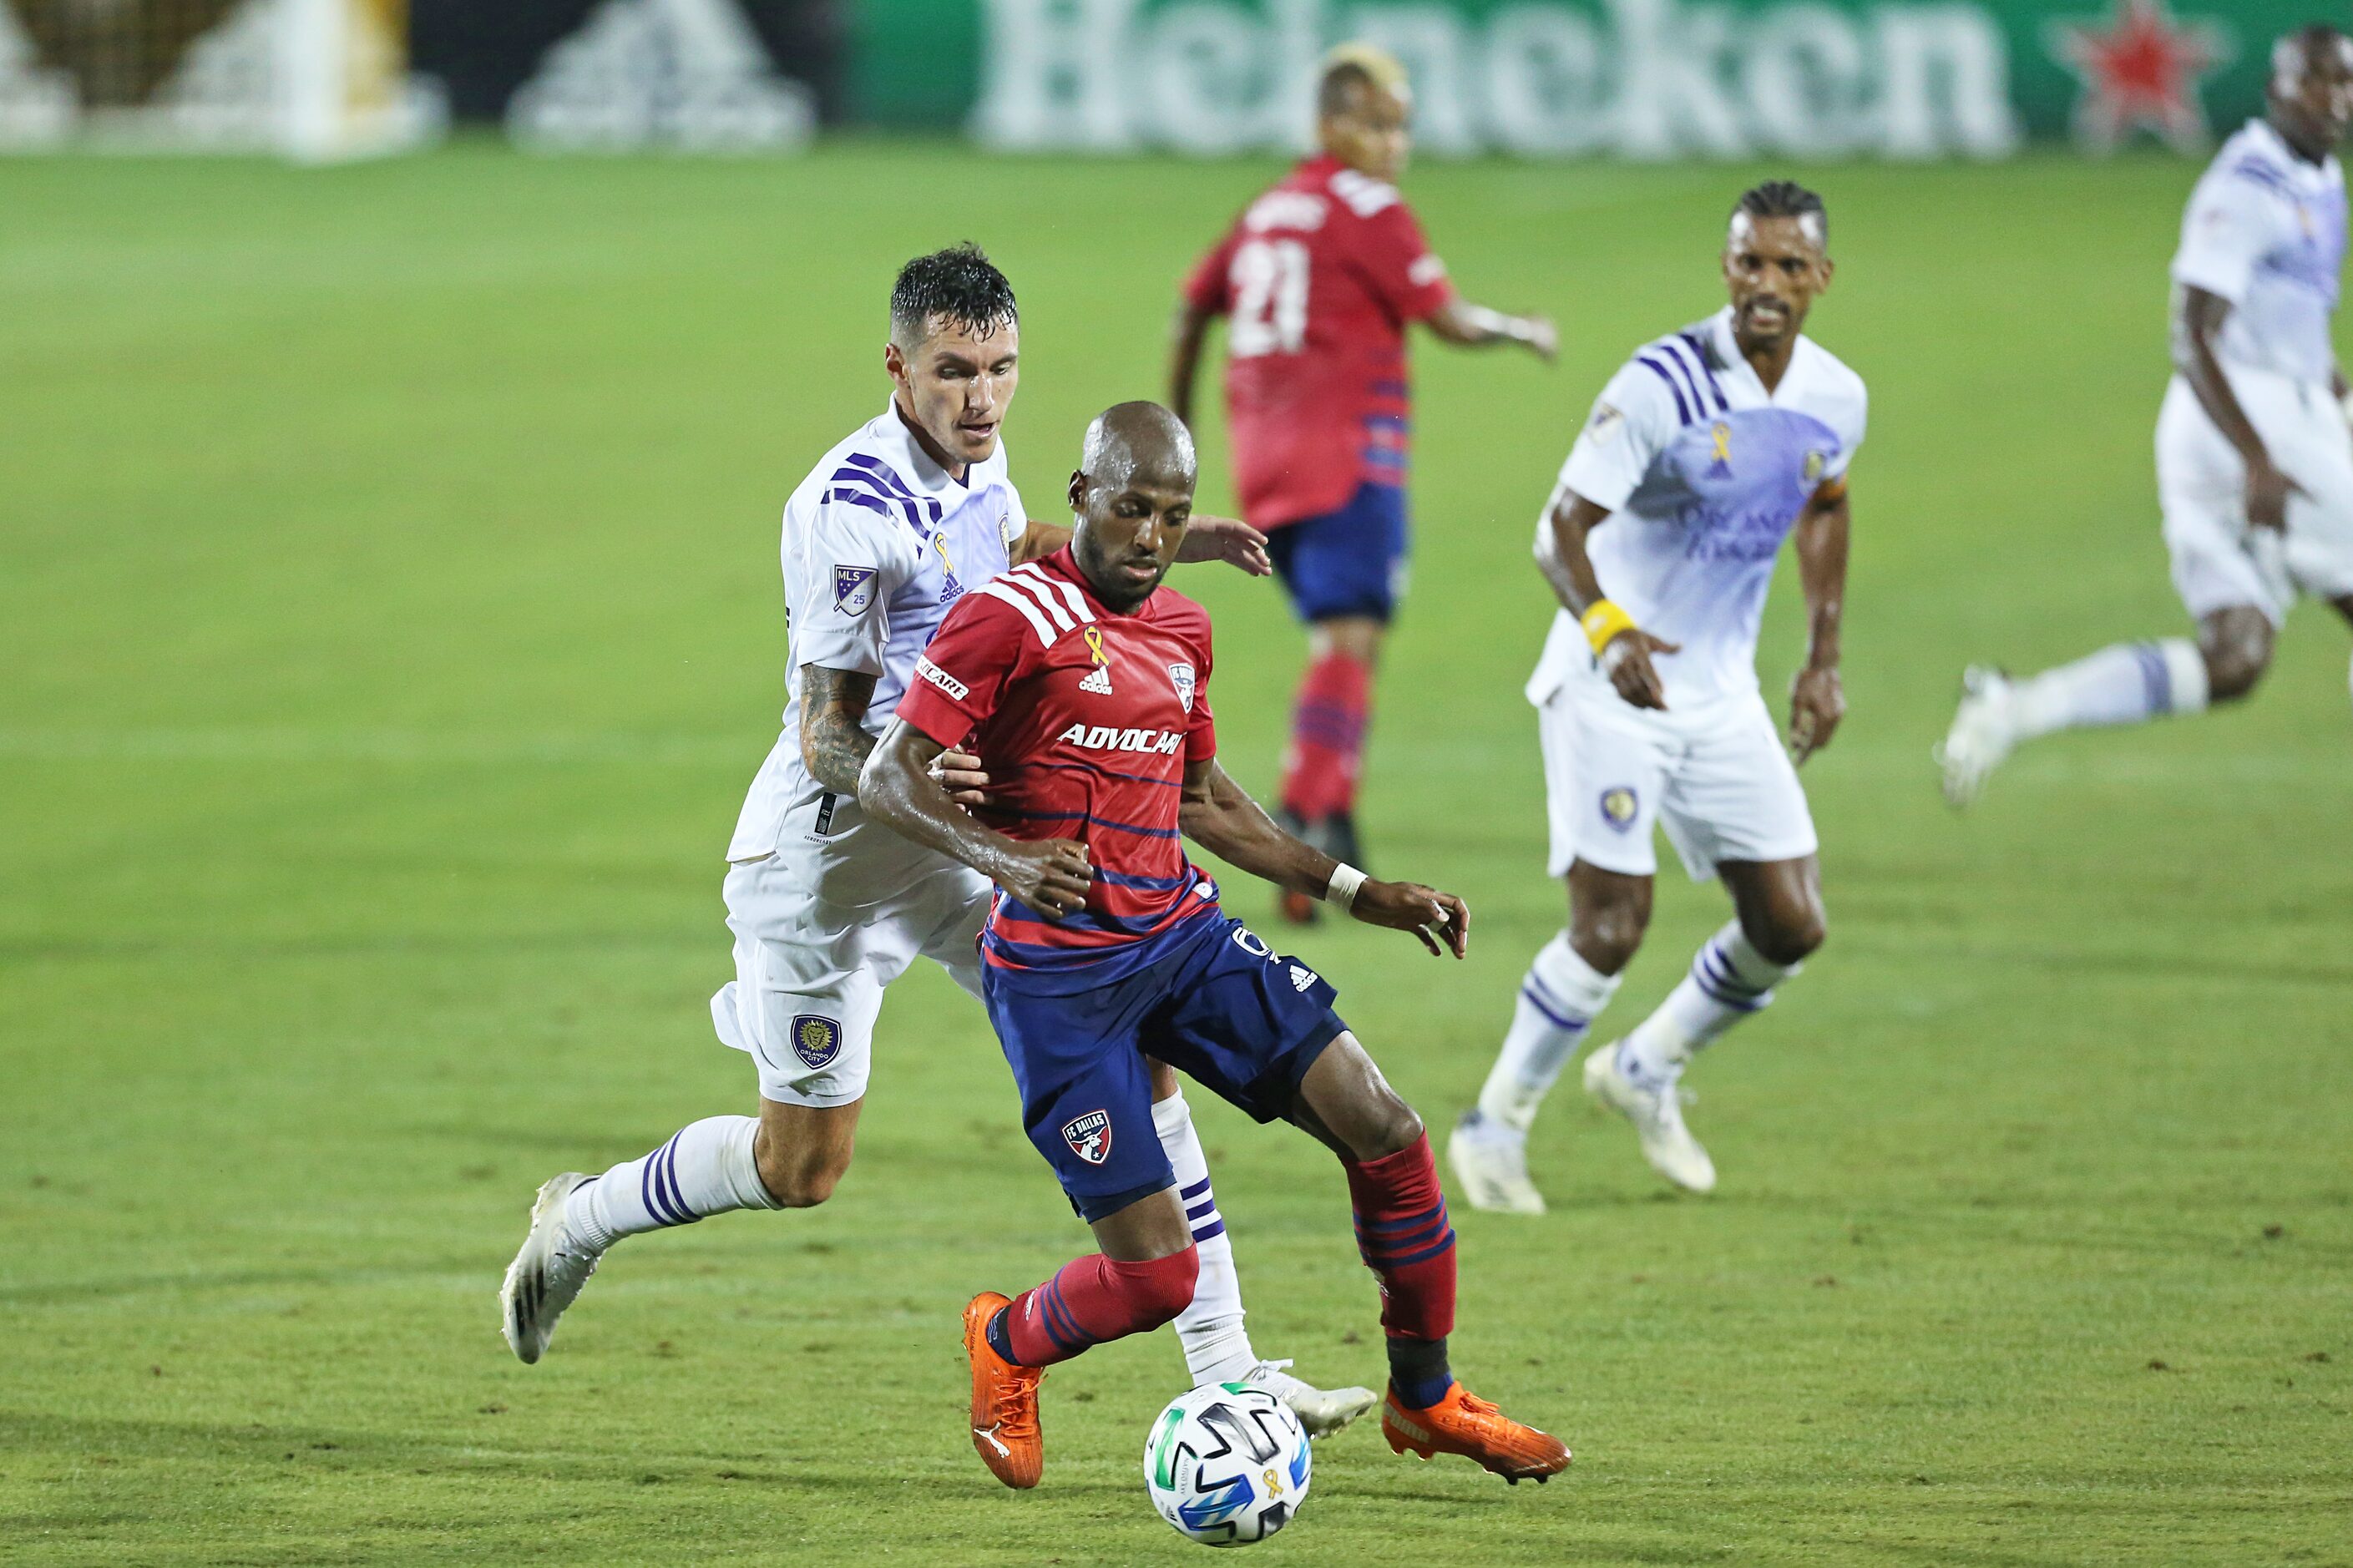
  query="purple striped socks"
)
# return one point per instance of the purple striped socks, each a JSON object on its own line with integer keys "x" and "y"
{"x": 1560, "y": 996}
{"x": 1216, "y": 1345}
{"x": 1728, "y": 981}
{"x": 705, "y": 1168}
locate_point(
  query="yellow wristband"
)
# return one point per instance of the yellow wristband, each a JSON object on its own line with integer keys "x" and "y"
{"x": 1602, "y": 622}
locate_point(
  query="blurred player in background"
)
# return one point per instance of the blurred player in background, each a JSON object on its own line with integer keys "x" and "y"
{"x": 1088, "y": 705}
{"x": 912, "y": 512}
{"x": 1319, "y": 278}
{"x": 2255, "y": 460}
{"x": 1702, "y": 455}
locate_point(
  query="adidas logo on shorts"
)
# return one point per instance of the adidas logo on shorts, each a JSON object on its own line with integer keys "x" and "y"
{"x": 1098, "y": 682}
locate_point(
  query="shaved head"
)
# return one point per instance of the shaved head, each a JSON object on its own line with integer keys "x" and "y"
{"x": 2298, "y": 54}
{"x": 1133, "y": 496}
{"x": 1129, "y": 440}
{"x": 2312, "y": 90}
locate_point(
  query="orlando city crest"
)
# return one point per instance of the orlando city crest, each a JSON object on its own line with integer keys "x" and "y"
{"x": 1816, "y": 461}
{"x": 1181, "y": 677}
{"x": 815, "y": 1040}
{"x": 1089, "y": 1136}
{"x": 1619, "y": 806}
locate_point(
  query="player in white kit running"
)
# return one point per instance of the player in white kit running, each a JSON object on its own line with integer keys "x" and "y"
{"x": 894, "y": 526}
{"x": 1705, "y": 452}
{"x": 2254, "y": 457}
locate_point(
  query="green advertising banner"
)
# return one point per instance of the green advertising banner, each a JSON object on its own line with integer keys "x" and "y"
{"x": 1630, "y": 79}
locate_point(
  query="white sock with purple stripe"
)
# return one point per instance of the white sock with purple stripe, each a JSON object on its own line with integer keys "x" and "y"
{"x": 705, "y": 1168}
{"x": 1560, "y": 996}
{"x": 1728, "y": 981}
{"x": 1217, "y": 1346}
{"x": 2125, "y": 683}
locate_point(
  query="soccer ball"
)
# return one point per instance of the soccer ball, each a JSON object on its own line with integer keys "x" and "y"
{"x": 1227, "y": 1464}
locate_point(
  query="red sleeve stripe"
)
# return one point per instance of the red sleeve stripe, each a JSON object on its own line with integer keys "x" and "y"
{"x": 1047, "y": 588}
{"x": 997, "y": 590}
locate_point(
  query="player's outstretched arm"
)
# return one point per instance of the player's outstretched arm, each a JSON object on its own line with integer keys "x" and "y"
{"x": 1622, "y": 648}
{"x": 1469, "y": 326}
{"x": 1816, "y": 702}
{"x": 1187, "y": 335}
{"x": 1220, "y": 816}
{"x": 899, "y": 788}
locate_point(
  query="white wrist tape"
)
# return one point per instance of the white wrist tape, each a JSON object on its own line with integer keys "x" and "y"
{"x": 1345, "y": 880}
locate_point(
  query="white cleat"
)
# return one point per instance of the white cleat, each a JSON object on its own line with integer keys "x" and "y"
{"x": 1657, "y": 1114}
{"x": 1491, "y": 1160}
{"x": 1322, "y": 1411}
{"x": 1983, "y": 735}
{"x": 546, "y": 1275}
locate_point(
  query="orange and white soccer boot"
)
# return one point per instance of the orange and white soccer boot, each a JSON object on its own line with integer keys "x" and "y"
{"x": 1004, "y": 1402}
{"x": 1464, "y": 1424}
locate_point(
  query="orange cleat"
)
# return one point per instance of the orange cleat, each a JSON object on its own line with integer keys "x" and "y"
{"x": 1464, "y": 1424}
{"x": 1004, "y": 1402}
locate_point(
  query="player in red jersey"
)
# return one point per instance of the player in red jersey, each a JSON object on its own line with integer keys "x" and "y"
{"x": 1084, "y": 689}
{"x": 1318, "y": 279}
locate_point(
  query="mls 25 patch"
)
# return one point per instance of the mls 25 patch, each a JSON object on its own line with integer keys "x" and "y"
{"x": 853, "y": 589}
{"x": 1089, "y": 1136}
{"x": 1618, "y": 806}
{"x": 1181, "y": 677}
{"x": 816, "y": 1041}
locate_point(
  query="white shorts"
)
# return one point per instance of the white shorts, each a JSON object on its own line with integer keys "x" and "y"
{"x": 1713, "y": 774}
{"x": 810, "y": 975}
{"x": 2201, "y": 482}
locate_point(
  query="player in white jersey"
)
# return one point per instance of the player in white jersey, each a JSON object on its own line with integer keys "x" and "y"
{"x": 1702, "y": 455}
{"x": 2254, "y": 459}
{"x": 890, "y": 528}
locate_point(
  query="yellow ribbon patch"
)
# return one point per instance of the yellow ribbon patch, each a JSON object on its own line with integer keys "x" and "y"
{"x": 1094, "y": 644}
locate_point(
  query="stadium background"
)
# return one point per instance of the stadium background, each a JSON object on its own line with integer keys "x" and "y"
{"x": 389, "y": 622}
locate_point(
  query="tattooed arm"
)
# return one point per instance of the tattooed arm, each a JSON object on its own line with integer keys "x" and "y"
{"x": 834, "y": 741}
{"x": 834, "y": 744}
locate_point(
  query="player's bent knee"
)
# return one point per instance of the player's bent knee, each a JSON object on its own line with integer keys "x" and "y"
{"x": 802, "y": 1179}
{"x": 1609, "y": 937}
{"x": 1157, "y": 1291}
{"x": 2237, "y": 647}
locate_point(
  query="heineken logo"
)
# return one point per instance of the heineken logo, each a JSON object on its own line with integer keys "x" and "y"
{"x": 1633, "y": 79}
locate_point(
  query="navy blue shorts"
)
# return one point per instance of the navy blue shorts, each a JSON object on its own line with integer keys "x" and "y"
{"x": 1220, "y": 1007}
{"x": 1347, "y": 563}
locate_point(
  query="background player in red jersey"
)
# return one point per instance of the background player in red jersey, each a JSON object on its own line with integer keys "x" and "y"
{"x": 1318, "y": 278}
{"x": 1084, "y": 688}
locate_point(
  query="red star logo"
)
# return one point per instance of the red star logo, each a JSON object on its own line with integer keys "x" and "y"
{"x": 2140, "y": 73}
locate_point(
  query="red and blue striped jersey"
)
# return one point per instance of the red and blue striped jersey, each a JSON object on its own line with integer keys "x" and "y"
{"x": 1084, "y": 720}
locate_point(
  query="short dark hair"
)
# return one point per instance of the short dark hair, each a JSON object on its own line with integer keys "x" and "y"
{"x": 958, "y": 285}
{"x": 1785, "y": 199}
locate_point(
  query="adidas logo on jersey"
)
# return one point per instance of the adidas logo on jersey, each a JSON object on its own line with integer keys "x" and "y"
{"x": 1098, "y": 682}
{"x": 1105, "y": 738}
{"x": 1302, "y": 977}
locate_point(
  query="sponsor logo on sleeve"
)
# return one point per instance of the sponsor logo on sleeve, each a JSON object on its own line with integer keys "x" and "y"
{"x": 943, "y": 679}
{"x": 1089, "y": 1136}
{"x": 853, "y": 589}
{"x": 1427, "y": 269}
{"x": 815, "y": 1040}
{"x": 1182, "y": 677}
{"x": 1603, "y": 427}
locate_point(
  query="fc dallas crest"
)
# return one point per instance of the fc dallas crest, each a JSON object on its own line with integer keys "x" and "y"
{"x": 2140, "y": 68}
{"x": 1089, "y": 1136}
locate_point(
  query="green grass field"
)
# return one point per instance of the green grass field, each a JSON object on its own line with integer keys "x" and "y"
{"x": 389, "y": 626}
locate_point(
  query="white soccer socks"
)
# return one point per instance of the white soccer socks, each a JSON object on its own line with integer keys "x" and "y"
{"x": 1560, "y": 996}
{"x": 1217, "y": 1346}
{"x": 1728, "y": 981}
{"x": 2125, "y": 683}
{"x": 705, "y": 1168}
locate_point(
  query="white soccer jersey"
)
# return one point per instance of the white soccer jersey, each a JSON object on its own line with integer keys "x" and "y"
{"x": 2266, "y": 230}
{"x": 879, "y": 541}
{"x": 1704, "y": 473}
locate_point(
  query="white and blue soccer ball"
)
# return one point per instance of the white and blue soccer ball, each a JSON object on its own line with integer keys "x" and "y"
{"x": 1227, "y": 1464}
